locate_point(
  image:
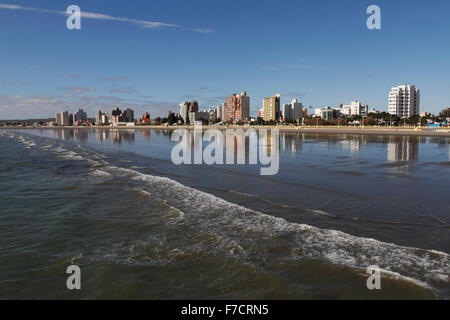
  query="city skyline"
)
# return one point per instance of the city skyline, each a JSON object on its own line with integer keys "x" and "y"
{"x": 149, "y": 58}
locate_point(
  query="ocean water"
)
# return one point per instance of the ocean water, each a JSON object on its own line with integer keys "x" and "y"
{"x": 113, "y": 203}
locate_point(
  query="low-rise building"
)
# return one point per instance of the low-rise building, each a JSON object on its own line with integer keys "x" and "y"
{"x": 355, "y": 108}
{"x": 261, "y": 113}
{"x": 318, "y": 112}
{"x": 198, "y": 116}
{"x": 329, "y": 113}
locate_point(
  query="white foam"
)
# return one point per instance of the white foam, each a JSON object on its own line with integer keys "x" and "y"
{"x": 148, "y": 194}
{"x": 397, "y": 276}
{"x": 100, "y": 173}
{"x": 28, "y": 143}
{"x": 320, "y": 212}
{"x": 70, "y": 155}
{"x": 231, "y": 221}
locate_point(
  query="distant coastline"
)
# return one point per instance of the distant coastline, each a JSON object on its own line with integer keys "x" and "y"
{"x": 398, "y": 131}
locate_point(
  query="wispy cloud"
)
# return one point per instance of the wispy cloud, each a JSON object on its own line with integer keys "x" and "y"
{"x": 45, "y": 106}
{"x": 14, "y": 84}
{"x": 295, "y": 94}
{"x": 104, "y": 17}
{"x": 115, "y": 79}
{"x": 78, "y": 89}
{"x": 298, "y": 66}
{"x": 74, "y": 76}
{"x": 92, "y": 15}
{"x": 202, "y": 30}
{"x": 270, "y": 68}
{"x": 293, "y": 66}
{"x": 189, "y": 97}
{"x": 126, "y": 90}
{"x": 213, "y": 100}
{"x": 305, "y": 67}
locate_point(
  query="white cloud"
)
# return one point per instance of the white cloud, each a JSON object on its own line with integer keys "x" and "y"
{"x": 126, "y": 90}
{"x": 270, "y": 68}
{"x": 305, "y": 67}
{"x": 115, "y": 79}
{"x": 78, "y": 89}
{"x": 104, "y": 17}
{"x": 296, "y": 66}
{"x": 45, "y": 106}
{"x": 141, "y": 23}
{"x": 74, "y": 76}
{"x": 203, "y": 30}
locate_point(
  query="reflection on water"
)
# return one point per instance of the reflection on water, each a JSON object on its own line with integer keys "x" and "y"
{"x": 403, "y": 149}
{"x": 292, "y": 143}
{"x": 399, "y": 148}
{"x": 352, "y": 145}
{"x": 344, "y": 154}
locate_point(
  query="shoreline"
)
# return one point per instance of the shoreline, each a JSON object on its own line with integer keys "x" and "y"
{"x": 443, "y": 132}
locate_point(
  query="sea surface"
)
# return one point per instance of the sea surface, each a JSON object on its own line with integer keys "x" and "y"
{"x": 141, "y": 227}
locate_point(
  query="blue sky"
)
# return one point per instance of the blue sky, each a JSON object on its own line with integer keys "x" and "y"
{"x": 320, "y": 52}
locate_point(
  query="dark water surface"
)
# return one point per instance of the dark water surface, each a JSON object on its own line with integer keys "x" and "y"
{"x": 112, "y": 202}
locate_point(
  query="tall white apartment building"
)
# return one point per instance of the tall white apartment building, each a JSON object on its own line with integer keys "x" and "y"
{"x": 404, "y": 101}
{"x": 183, "y": 111}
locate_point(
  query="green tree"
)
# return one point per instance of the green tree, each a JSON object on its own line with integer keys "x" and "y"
{"x": 172, "y": 119}
{"x": 445, "y": 113}
{"x": 314, "y": 121}
{"x": 369, "y": 121}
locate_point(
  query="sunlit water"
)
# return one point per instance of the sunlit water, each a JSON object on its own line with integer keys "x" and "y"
{"x": 113, "y": 203}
